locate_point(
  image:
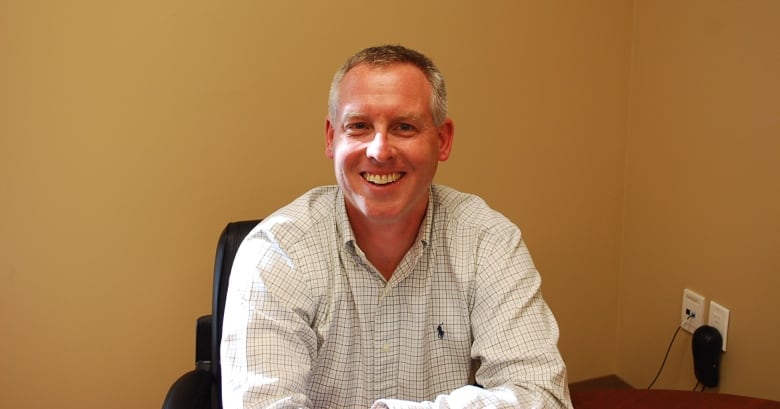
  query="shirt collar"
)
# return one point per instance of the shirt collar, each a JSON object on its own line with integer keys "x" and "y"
{"x": 348, "y": 237}
{"x": 343, "y": 227}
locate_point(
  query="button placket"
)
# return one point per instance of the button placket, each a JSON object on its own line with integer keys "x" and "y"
{"x": 384, "y": 338}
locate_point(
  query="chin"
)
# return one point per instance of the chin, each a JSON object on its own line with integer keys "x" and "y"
{"x": 380, "y": 213}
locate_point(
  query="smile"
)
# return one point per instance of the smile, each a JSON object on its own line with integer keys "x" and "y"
{"x": 381, "y": 179}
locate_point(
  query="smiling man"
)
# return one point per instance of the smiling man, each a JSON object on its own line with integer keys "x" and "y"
{"x": 386, "y": 290}
{"x": 386, "y": 145}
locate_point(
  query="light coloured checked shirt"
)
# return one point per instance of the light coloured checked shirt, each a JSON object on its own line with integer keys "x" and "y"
{"x": 310, "y": 323}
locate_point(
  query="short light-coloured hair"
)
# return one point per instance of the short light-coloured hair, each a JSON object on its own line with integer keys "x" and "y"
{"x": 386, "y": 55}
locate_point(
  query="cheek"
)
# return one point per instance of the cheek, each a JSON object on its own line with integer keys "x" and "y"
{"x": 345, "y": 153}
{"x": 424, "y": 155}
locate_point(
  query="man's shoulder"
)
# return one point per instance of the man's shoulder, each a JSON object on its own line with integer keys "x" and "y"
{"x": 460, "y": 211}
{"x": 299, "y": 217}
{"x": 463, "y": 206}
{"x": 317, "y": 201}
{"x": 451, "y": 198}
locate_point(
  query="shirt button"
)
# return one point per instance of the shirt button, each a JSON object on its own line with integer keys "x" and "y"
{"x": 385, "y": 348}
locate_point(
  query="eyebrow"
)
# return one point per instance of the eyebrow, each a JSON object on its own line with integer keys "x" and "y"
{"x": 400, "y": 118}
{"x": 352, "y": 115}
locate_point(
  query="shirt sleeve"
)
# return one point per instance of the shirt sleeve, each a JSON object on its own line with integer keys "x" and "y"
{"x": 471, "y": 397}
{"x": 515, "y": 335}
{"x": 267, "y": 344}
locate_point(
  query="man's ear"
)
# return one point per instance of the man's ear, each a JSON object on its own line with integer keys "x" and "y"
{"x": 446, "y": 136}
{"x": 328, "y": 138}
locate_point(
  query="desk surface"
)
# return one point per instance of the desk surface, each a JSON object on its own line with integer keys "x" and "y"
{"x": 666, "y": 399}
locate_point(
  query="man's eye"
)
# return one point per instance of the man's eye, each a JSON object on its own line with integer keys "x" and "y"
{"x": 405, "y": 129}
{"x": 356, "y": 127}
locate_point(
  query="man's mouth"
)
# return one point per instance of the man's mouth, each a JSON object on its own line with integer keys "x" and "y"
{"x": 382, "y": 179}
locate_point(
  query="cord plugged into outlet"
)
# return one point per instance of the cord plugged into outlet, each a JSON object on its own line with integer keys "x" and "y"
{"x": 692, "y": 316}
{"x": 707, "y": 341}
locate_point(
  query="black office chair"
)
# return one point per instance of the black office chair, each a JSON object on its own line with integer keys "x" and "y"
{"x": 201, "y": 387}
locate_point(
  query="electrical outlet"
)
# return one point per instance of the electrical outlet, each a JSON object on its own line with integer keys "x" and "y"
{"x": 692, "y": 315}
{"x": 719, "y": 318}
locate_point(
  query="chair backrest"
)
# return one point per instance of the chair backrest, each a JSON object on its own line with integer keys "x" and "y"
{"x": 229, "y": 241}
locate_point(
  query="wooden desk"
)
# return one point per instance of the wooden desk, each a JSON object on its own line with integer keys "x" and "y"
{"x": 665, "y": 399}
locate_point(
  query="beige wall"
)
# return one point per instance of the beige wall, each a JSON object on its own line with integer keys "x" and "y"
{"x": 702, "y": 206}
{"x": 129, "y": 134}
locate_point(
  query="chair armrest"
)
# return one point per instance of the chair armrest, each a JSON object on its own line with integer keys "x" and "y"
{"x": 203, "y": 343}
{"x": 191, "y": 391}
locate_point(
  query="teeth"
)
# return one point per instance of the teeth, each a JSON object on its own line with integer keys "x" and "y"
{"x": 382, "y": 179}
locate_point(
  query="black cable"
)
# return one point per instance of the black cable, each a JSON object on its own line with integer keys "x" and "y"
{"x": 696, "y": 386}
{"x": 667, "y": 352}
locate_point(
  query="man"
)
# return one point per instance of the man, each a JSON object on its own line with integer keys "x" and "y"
{"x": 387, "y": 291}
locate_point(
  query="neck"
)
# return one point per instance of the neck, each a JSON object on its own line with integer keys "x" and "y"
{"x": 386, "y": 244}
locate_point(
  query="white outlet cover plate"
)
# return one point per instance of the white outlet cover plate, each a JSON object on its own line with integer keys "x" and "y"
{"x": 693, "y": 303}
{"x": 719, "y": 318}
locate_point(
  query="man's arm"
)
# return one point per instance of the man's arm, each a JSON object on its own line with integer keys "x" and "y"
{"x": 515, "y": 333}
{"x": 267, "y": 347}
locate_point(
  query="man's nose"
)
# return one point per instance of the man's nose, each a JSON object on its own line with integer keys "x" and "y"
{"x": 380, "y": 147}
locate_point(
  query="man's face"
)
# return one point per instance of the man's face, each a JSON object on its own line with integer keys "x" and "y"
{"x": 385, "y": 144}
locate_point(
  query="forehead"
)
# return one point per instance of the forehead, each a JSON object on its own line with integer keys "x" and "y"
{"x": 385, "y": 86}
